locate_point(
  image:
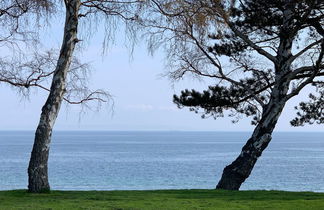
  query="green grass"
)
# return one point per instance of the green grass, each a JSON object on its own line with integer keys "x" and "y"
{"x": 162, "y": 199}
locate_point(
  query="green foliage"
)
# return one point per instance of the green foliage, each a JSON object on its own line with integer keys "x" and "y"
{"x": 245, "y": 58}
{"x": 162, "y": 199}
{"x": 312, "y": 111}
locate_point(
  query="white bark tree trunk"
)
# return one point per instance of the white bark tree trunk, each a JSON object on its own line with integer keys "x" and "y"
{"x": 38, "y": 165}
{"x": 235, "y": 174}
{"x": 240, "y": 169}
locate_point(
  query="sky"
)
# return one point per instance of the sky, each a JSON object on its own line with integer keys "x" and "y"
{"x": 142, "y": 99}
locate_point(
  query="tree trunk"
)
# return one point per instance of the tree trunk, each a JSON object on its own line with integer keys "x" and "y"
{"x": 37, "y": 169}
{"x": 238, "y": 171}
{"x": 235, "y": 174}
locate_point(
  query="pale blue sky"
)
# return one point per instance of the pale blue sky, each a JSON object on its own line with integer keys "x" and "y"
{"x": 142, "y": 99}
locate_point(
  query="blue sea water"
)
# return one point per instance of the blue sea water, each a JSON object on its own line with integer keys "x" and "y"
{"x": 162, "y": 160}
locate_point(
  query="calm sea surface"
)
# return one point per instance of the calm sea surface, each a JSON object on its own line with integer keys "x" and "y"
{"x": 162, "y": 160}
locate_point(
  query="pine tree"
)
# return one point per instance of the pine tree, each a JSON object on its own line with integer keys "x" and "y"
{"x": 260, "y": 53}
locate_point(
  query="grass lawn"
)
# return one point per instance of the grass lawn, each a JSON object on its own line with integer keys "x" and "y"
{"x": 162, "y": 199}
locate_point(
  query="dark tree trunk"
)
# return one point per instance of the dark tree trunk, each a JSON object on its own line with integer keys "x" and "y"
{"x": 239, "y": 170}
{"x": 235, "y": 174}
{"x": 38, "y": 167}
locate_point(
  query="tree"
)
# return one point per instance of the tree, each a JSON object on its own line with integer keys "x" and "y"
{"x": 75, "y": 10}
{"x": 259, "y": 53}
{"x": 20, "y": 20}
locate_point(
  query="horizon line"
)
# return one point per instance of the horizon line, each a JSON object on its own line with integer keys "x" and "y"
{"x": 227, "y": 131}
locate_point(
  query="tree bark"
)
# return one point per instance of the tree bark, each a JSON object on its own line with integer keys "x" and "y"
{"x": 238, "y": 171}
{"x": 38, "y": 164}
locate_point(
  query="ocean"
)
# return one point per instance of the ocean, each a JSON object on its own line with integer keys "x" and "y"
{"x": 118, "y": 160}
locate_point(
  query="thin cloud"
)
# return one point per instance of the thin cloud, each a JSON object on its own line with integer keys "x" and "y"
{"x": 149, "y": 107}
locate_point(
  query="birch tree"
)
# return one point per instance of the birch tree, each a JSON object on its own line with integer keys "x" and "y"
{"x": 259, "y": 53}
{"x": 20, "y": 21}
{"x": 92, "y": 12}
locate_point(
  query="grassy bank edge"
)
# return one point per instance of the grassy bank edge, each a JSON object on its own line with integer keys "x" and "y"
{"x": 162, "y": 199}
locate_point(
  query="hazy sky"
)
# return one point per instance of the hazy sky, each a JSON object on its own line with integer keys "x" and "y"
{"x": 142, "y": 99}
